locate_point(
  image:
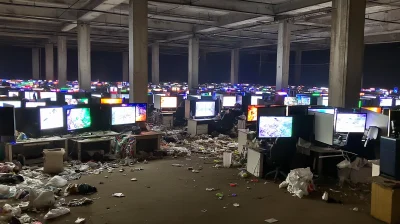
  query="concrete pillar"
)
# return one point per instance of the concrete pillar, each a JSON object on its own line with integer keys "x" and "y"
{"x": 283, "y": 56}
{"x": 62, "y": 60}
{"x": 35, "y": 63}
{"x": 125, "y": 66}
{"x": 155, "y": 63}
{"x": 193, "y": 75}
{"x": 235, "y": 56}
{"x": 347, "y": 52}
{"x": 297, "y": 69}
{"x": 49, "y": 61}
{"x": 138, "y": 70}
{"x": 84, "y": 60}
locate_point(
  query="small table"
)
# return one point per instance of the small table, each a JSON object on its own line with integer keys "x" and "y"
{"x": 198, "y": 126}
{"x": 88, "y": 141}
{"x": 148, "y": 135}
{"x": 61, "y": 143}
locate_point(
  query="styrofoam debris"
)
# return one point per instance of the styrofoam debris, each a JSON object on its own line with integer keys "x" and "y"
{"x": 80, "y": 220}
{"x": 118, "y": 195}
{"x": 54, "y": 213}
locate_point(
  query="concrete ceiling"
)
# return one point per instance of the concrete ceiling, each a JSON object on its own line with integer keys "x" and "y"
{"x": 220, "y": 24}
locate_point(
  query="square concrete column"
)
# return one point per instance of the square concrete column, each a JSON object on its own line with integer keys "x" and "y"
{"x": 35, "y": 63}
{"x": 235, "y": 56}
{"x": 138, "y": 70}
{"x": 297, "y": 69}
{"x": 155, "y": 63}
{"x": 125, "y": 66}
{"x": 347, "y": 52}
{"x": 283, "y": 56}
{"x": 62, "y": 60}
{"x": 49, "y": 61}
{"x": 193, "y": 75}
{"x": 84, "y": 59}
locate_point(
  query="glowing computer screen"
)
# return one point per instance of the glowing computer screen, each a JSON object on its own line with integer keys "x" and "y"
{"x": 51, "y": 95}
{"x": 141, "y": 111}
{"x": 123, "y": 115}
{"x": 15, "y": 103}
{"x": 254, "y": 100}
{"x": 387, "y": 102}
{"x": 13, "y": 94}
{"x": 30, "y": 95}
{"x": 169, "y": 102}
{"x": 205, "y": 109}
{"x": 322, "y": 110}
{"x": 78, "y": 118}
{"x": 303, "y": 100}
{"x": 51, "y": 118}
{"x": 35, "y": 104}
{"x": 351, "y": 123}
{"x": 252, "y": 112}
{"x": 290, "y": 101}
{"x": 228, "y": 101}
{"x": 274, "y": 127}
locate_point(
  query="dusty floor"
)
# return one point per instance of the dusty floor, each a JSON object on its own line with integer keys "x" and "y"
{"x": 167, "y": 194}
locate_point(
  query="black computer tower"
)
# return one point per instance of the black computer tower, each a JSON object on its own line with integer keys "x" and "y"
{"x": 390, "y": 158}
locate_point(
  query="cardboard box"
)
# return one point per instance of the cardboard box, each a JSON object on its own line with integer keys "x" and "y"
{"x": 385, "y": 200}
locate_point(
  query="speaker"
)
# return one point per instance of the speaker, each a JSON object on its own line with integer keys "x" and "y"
{"x": 390, "y": 158}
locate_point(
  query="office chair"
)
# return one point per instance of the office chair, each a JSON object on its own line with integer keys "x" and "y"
{"x": 281, "y": 155}
{"x": 179, "y": 116}
{"x": 226, "y": 123}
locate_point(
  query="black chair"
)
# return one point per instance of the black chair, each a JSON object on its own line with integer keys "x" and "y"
{"x": 179, "y": 117}
{"x": 281, "y": 156}
{"x": 226, "y": 123}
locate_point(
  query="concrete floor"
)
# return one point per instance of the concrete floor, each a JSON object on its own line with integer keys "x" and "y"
{"x": 167, "y": 194}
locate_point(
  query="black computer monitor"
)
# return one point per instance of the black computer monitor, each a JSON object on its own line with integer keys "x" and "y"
{"x": 7, "y": 121}
{"x": 272, "y": 111}
{"x": 123, "y": 115}
{"x": 274, "y": 127}
{"x": 51, "y": 120}
{"x": 78, "y": 119}
{"x": 204, "y": 109}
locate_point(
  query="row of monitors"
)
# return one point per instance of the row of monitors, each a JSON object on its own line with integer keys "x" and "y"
{"x": 56, "y": 120}
{"x": 281, "y": 126}
{"x": 32, "y": 104}
{"x": 81, "y": 117}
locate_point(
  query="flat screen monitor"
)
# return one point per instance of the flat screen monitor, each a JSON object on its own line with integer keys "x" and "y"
{"x": 15, "y": 103}
{"x": 397, "y": 102}
{"x": 374, "y": 109}
{"x": 51, "y": 95}
{"x": 123, "y": 115}
{"x": 228, "y": 101}
{"x": 350, "y": 123}
{"x": 78, "y": 118}
{"x": 239, "y": 99}
{"x": 205, "y": 109}
{"x": 303, "y": 100}
{"x": 322, "y": 110}
{"x": 275, "y": 127}
{"x": 254, "y": 100}
{"x": 13, "y": 94}
{"x": 141, "y": 111}
{"x": 325, "y": 101}
{"x": 77, "y": 101}
{"x": 110, "y": 101}
{"x": 126, "y": 96}
{"x": 68, "y": 97}
{"x": 386, "y": 102}
{"x": 7, "y": 121}
{"x": 30, "y": 95}
{"x": 252, "y": 112}
{"x": 51, "y": 118}
{"x": 35, "y": 104}
{"x": 169, "y": 102}
{"x": 290, "y": 101}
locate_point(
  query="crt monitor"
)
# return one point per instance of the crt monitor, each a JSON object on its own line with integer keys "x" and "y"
{"x": 205, "y": 109}
{"x": 274, "y": 127}
{"x": 386, "y": 102}
{"x": 228, "y": 101}
{"x": 350, "y": 123}
{"x": 51, "y": 118}
{"x": 123, "y": 115}
{"x": 169, "y": 102}
{"x": 7, "y": 121}
{"x": 254, "y": 100}
{"x": 78, "y": 118}
{"x": 35, "y": 104}
{"x": 51, "y": 95}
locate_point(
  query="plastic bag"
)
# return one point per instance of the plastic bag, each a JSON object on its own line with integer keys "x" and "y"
{"x": 44, "y": 199}
{"x": 344, "y": 164}
{"x": 57, "y": 212}
{"x": 7, "y": 191}
{"x": 57, "y": 181}
{"x": 298, "y": 181}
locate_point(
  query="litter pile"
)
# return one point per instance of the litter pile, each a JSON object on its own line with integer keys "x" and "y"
{"x": 299, "y": 182}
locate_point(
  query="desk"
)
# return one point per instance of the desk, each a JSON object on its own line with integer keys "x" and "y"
{"x": 242, "y": 139}
{"x": 90, "y": 140}
{"x": 319, "y": 153}
{"x": 60, "y": 142}
{"x": 198, "y": 126}
{"x": 148, "y": 135}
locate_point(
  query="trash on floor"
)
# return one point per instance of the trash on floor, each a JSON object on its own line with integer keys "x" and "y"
{"x": 118, "y": 195}
{"x": 299, "y": 182}
{"x": 57, "y": 212}
{"x": 80, "y": 220}
{"x": 272, "y": 220}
